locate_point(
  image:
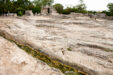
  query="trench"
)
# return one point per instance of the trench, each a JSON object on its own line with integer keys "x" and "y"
{"x": 65, "y": 69}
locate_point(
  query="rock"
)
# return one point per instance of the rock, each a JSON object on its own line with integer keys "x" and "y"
{"x": 29, "y": 13}
{"x": 14, "y": 61}
{"x": 91, "y": 41}
{"x": 101, "y": 15}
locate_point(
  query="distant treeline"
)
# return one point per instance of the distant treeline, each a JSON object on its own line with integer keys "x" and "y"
{"x": 81, "y": 8}
{"x": 13, "y": 6}
{"x": 19, "y": 7}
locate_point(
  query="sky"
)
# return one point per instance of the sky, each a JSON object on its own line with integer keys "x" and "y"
{"x": 97, "y": 5}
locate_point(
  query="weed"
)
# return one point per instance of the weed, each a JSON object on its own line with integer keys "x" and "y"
{"x": 69, "y": 49}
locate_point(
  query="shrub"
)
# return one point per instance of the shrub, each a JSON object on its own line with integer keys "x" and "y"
{"x": 110, "y": 7}
{"x": 92, "y": 12}
{"x": 67, "y": 11}
{"x": 20, "y": 11}
{"x": 36, "y": 9}
{"x": 69, "y": 49}
{"x": 59, "y": 8}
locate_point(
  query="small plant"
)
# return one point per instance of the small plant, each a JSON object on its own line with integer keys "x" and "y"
{"x": 20, "y": 13}
{"x": 69, "y": 49}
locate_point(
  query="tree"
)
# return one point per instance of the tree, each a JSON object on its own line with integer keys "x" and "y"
{"x": 110, "y": 7}
{"x": 68, "y": 10}
{"x": 1, "y": 6}
{"x": 42, "y": 3}
{"x": 12, "y": 5}
{"x": 23, "y": 3}
{"x": 81, "y": 8}
{"x": 20, "y": 11}
{"x": 59, "y": 8}
{"x": 4, "y": 6}
{"x": 92, "y": 12}
{"x": 36, "y": 9}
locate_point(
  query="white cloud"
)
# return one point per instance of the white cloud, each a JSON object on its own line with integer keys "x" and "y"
{"x": 91, "y": 4}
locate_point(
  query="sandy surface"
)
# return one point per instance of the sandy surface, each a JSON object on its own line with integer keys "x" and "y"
{"x": 90, "y": 41}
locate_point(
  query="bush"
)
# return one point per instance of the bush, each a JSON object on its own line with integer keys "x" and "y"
{"x": 59, "y": 8}
{"x": 67, "y": 11}
{"x": 75, "y": 9}
{"x": 92, "y": 12}
{"x": 36, "y": 9}
{"x": 20, "y": 11}
{"x": 108, "y": 13}
{"x": 80, "y": 8}
{"x": 110, "y": 7}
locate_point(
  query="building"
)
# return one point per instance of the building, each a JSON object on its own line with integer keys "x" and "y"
{"x": 48, "y": 10}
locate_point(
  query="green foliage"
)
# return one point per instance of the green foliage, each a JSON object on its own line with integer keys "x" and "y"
{"x": 1, "y": 7}
{"x": 4, "y": 6}
{"x": 92, "y": 12}
{"x": 29, "y": 7}
{"x": 43, "y": 2}
{"x": 59, "y": 8}
{"x": 110, "y": 10}
{"x": 69, "y": 49}
{"x": 106, "y": 12}
{"x": 22, "y": 3}
{"x": 12, "y": 5}
{"x": 53, "y": 63}
{"x": 110, "y": 7}
{"x": 67, "y": 11}
{"x": 80, "y": 8}
{"x": 36, "y": 9}
{"x": 20, "y": 11}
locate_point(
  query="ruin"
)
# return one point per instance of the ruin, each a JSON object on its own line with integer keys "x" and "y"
{"x": 28, "y": 13}
{"x": 48, "y": 10}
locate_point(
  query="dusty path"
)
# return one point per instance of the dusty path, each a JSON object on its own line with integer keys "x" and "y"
{"x": 83, "y": 43}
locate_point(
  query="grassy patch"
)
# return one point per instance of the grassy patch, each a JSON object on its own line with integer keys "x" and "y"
{"x": 69, "y": 49}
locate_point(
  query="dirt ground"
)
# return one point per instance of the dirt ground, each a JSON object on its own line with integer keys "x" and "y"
{"x": 81, "y": 42}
